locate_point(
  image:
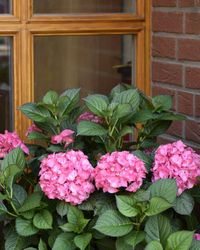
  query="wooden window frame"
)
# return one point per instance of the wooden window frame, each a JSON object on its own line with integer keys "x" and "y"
{"x": 23, "y": 26}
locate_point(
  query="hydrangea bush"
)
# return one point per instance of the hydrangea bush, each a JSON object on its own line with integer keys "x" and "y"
{"x": 92, "y": 176}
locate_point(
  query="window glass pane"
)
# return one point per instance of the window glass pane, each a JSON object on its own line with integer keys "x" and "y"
{"x": 5, "y": 6}
{"x": 80, "y": 6}
{"x": 93, "y": 63}
{"x": 6, "y": 113}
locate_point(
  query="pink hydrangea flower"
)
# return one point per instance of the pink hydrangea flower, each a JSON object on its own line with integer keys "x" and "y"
{"x": 176, "y": 160}
{"x": 66, "y": 136}
{"x": 9, "y": 141}
{"x": 67, "y": 176}
{"x": 33, "y": 128}
{"x": 88, "y": 116}
{"x": 119, "y": 169}
{"x": 196, "y": 236}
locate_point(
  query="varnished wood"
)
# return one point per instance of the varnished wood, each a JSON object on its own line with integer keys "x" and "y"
{"x": 23, "y": 26}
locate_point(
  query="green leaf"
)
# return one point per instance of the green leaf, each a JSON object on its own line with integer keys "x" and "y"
{"x": 159, "y": 128}
{"x": 180, "y": 240}
{"x": 195, "y": 245}
{"x": 29, "y": 214}
{"x": 121, "y": 244}
{"x": 121, "y": 111}
{"x": 184, "y": 204}
{"x": 117, "y": 90}
{"x": 88, "y": 128}
{"x": 162, "y": 102}
{"x": 157, "y": 205}
{"x": 164, "y": 188}
{"x": 68, "y": 101}
{"x": 64, "y": 241}
{"x": 142, "y": 195}
{"x": 83, "y": 240}
{"x": 3, "y": 208}
{"x": 130, "y": 96}
{"x": 171, "y": 117}
{"x": 112, "y": 223}
{"x": 35, "y": 113}
{"x": 134, "y": 238}
{"x": 69, "y": 227}
{"x": 37, "y": 136}
{"x": 51, "y": 97}
{"x": 43, "y": 220}
{"x": 15, "y": 157}
{"x": 25, "y": 227}
{"x": 42, "y": 245}
{"x": 62, "y": 208}
{"x": 15, "y": 242}
{"x": 154, "y": 245}
{"x": 19, "y": 195}
{"x": 32, "y": 201}
{"x": 142, "y": 116}
{"x": 125, "y": 131}
{"x": 158, "y": 228}
{"x": 126, "y": 205}
{"x": 97, "y": 104}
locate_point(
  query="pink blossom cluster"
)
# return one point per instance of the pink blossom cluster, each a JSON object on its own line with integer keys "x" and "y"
{"x": 196, "y": 236}
{"x": 66, "y": 137}
{"x": 9, "y": 141}
{"x": 88, "y": 116}
{"x": 33, "y": 128}
{"x": 119, "y": 169}
{"x": 67, "y": 176}
{"x": 176, "y": 160}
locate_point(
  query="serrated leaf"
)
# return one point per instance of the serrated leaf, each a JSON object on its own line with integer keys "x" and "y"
{"x": 184, "y": 204}
{"x": 62, "y": 208}
{"x": 37, "y": 136}
{"x": 15, "y": 242}
{"x": 69, "y": 227}
{"x": 121, "y": 244}
{"x": 126, "y": 205}
{"x": 42, "y": 245}
{"x": 142, "y": 195}
{"x": 158, "y": 228}
{"x": 180, "y": 240}
{"x": 195, "y": 245}
{"x": 112, "y": 223}
{"x": 164, "y": 188}
{"x": 51, "y": 97}
{"x": 134, "y": 238}
{"x": 97, "y": 104}
{"x": 31, "y": 202}
{"x": 15, "y": 157}
{"x": 43, "y": 220}
{"x": 162, "y": 102}
{"x": 88, "y": 128}
{"x": 64, "y": 241}
{"x": 19, "y": 195}
{"x": 154, "y": 245}
{"x": 83, "y": 240}
{"x": 25, "y": 227}
{"x": 157, "y": 205}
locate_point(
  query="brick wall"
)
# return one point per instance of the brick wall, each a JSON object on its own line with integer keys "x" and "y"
{"x": 176, "y": 63}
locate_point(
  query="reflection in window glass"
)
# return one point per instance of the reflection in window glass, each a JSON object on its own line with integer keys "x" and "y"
{"x": 5, "y": 84}
{"x": 5, "y": 6}
{"x": 77, "y": 6}
{"x": 94, "y": 63}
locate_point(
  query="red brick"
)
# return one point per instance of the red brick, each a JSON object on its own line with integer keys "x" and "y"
{"x": 185, "y": 103}
{"x": 167, "y": 22}
{"x": 189, "y": 49}
{"x": 167, "y": 73}
{"x": 157, "y": 90}
{"x": 197, "y": 105}
{"x": 164, "y": 3}
{"x": 176, "y": 129}
{"x": 192, "y": 78}
{"x": 186, "y": 3}
{"x": 192, "y": 23}
{"x": 164, "y": 47}
{"x": 193, "y": 131}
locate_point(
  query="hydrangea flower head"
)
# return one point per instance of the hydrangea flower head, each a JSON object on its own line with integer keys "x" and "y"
{"x": 66, "y": 137}
{"x": 33, "y": 128}
{"x": 10, "y": 141}
{"x": 119, "y": 169}
{"x": 196, "y": 236}
{"x": 88, "y": 116}
{"x": 176, "y": 160}
{"x": 67, "y": 176}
